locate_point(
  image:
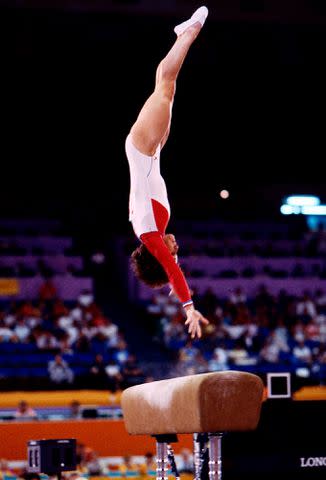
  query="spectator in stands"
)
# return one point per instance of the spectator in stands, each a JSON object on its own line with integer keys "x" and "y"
{"x": 209, "y": 302}
{"x": 59, "y": 371}
{"x": 302, "y": 354}
{"x": 281, "y": 335}
{"x": 150, "y": 461}
{"x": 174, "y": 334}
{"x": 93, "y": 464}
{"x": 6, "y": 334}
{"x": 237, "y": 296}
{"x": 45, "y": 340}
{"x": 121, "y": 351}
{"x": 131, "y": 372}
{"x": 109, "y": 330}
{"x": 155, "y": 307}
{"x": 127, "y": 466}
{"x": 219, "y": 360}
{"x": 5, "y": 471}
{"x": 188, "y": 353}
{"x": 86, "y": 298}
{"x": 114, "y": 375}
{"x": 70, "y": 327}
{"x": 251, "y": 337}
{"x": 77, "y": 313}
{"x": 186, "y": 461}
{"x": 172, "y": 307}
{"x": 298, "y": 331}
{"x": 81, "y": 452}
{"x": 9, "y": 315}
{"x": 75, "y": 410}
{"x": 48, "y": 290}
{"x": 21, "y": 330}
{"x": 321, "y": 321}
{"x": 312, "y": 330}
{"x": 26, "y": 309}
{"x": 320, "y": 298}
{"x": 242, "y": 315}
{"x": 97, "y": 373}
{"x": 263, "y": 297}
{"x": 270, "y": 351}
{"x": 82, "y": 343}
{"x": 36, "y": 315}
{"x": 154, "y": 311}
{"x": 24, "y": 411}
{"x": 191, "y": 360}
{"x": 149, "y": 465}
{"x": 64, "y": 343}
{"x": 306, "y": 308}
{"x": 59, "y": 309}
{"x": 321, "y": 355}
{"x": 238, "y": 354}
{"x": 235, "y": 330}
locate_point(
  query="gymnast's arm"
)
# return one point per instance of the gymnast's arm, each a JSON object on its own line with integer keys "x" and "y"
{"x": 156, "y": 246}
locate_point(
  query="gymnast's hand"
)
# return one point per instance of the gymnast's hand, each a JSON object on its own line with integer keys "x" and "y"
{"x": 194, "y": 319}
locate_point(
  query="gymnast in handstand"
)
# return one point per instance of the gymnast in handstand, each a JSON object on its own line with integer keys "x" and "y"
{"x": 155, "y": 260}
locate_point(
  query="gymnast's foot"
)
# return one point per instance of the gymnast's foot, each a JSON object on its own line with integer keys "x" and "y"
{"x": 199, "y": 15}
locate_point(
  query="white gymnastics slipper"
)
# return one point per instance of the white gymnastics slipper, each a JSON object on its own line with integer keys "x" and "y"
{"x": 200, "y": 16}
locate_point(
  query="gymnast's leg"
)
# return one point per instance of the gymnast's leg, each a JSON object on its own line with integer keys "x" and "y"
{"x": 152, "y": 126}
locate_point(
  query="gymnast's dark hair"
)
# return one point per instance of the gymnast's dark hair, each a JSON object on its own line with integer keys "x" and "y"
{"x": 147, "y": 268}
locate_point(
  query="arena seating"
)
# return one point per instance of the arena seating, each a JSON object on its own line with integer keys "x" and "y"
{"x": 275, "y": 270}
{"x": 47, "y": 307}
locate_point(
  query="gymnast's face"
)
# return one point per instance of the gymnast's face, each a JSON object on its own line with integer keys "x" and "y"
{"x": 171, "y": 243}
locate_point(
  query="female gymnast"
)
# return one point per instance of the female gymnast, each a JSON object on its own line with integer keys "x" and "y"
{"x": 155, "y": 261}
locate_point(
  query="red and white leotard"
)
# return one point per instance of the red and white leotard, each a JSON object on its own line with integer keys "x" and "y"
{"x": 149, "y": 213}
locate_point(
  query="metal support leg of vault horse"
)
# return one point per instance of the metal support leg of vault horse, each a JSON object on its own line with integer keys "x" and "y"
{"x": 201, "y": 456}
{"x": 162, "y": 455}
{"x": 215, "y": 456}
{"x": 161, "y": 461}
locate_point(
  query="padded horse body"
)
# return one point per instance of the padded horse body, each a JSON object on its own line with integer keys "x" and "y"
{"x": 210, "y": 403}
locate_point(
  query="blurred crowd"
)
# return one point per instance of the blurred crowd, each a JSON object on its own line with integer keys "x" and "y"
{"x": 89, "y": 463}
{"x": 250, "y": 333}
{"x": 81, "y": 342}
